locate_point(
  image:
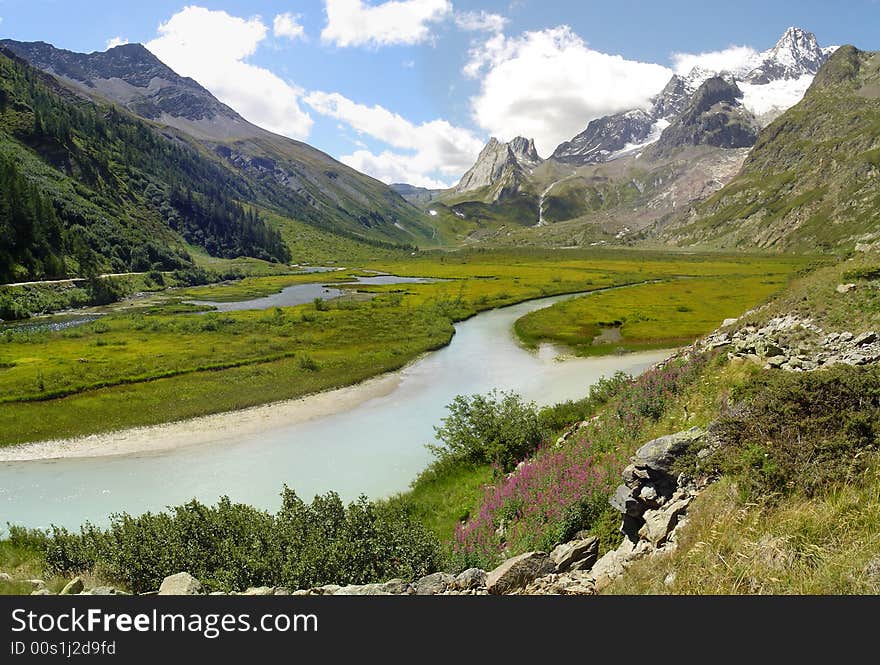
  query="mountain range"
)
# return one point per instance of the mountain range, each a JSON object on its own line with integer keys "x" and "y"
{"x": 113, "y": 162}
{"x": 812, "y": 181}
{"x": 632, "y": 170}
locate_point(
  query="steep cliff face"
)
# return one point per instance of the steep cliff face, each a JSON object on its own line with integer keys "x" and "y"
{"x": 715, "y": 117}
{"x": 501, "y": 168}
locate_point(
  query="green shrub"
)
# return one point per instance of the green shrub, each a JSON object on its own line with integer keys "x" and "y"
{"x": 561, "y": 416}
{"x": 800, "y": 433}
{"x": 234, "y": 546}
{"x": 496, "y": 428}
{"x": 11, "y": 309}
{"x": 869, "y": 274}
{"x": 155, "y": 277}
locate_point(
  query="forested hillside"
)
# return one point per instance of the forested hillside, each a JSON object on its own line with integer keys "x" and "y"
{"x": 86, "y": 185}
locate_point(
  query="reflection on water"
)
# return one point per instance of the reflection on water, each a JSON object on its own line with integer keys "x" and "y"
{"x": 302, "y": 294}
{"x": 49, "y": 324}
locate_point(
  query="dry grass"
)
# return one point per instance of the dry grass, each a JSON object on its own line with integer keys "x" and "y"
{"x": 826, "y": 545}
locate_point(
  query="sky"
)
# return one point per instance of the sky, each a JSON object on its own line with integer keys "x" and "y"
{"x": 411, "y": 90}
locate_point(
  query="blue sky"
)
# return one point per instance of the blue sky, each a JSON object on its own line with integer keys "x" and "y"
{"x": 410, "y": 90}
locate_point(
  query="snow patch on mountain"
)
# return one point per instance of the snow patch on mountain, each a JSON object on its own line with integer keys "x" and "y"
{"x": 769, "y": 100}
{"x": 653, "y": 137}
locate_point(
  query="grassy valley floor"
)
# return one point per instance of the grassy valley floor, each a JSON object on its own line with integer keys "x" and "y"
{"x": 146, "y": 367}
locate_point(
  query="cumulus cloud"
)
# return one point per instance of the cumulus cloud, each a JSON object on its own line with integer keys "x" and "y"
{"x": 288, "y": 25}
{"x": 432, "y": 154}
{"x": 481, "y": 21}
{"x": 114, "y": 42}
{"x": 549, "y": 84}
{"x": 212, "y": 47}
{"x": 358, "y": 23}
{"x": 732, "y": 59}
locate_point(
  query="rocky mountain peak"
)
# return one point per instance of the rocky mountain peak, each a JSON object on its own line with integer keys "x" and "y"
{"x": 131, "y": 63}
{"x": 785, "y": 70}
{"x": 715, "y": 116}
{"x": 501, "y": 166}
{"x": 715, "y": 90}
{"x": 604, "y": 137}
{"x": 524, "y": 151}
{"x": 131, "y": 76}
{"x": 796, "y": 54}
{"x": 796, "y": 43}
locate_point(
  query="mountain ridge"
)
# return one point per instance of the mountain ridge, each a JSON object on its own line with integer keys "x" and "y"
{"x": 330, "y": 194}
{"x": 811, "y": 181}
{"x": 796, "y": 54}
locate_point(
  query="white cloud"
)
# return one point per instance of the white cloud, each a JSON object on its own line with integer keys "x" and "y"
{"x": 358, "y": 23}
{"x": 732, "y": 59}
{"x": 434, "y": 154}
{"x": 116, "y": 41}
{"x": 288, "y": 25}
{"x": 481, "y": 21}
{"x": 211, "y": 47}
{"x": 549, "y": 84}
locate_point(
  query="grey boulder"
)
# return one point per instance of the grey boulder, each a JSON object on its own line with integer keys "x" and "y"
{"x": 580, "y": 553}
{"x": 660, "y": 454}
{"x": 517, "y": 572}
{"x": 472, "y": 578}
{"x": 434, "y": 584}
{"x": 181, "y": 584}
{"x": 74, "y": 587}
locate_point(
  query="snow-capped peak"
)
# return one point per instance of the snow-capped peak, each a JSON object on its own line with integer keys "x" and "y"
{"x": 771, "y": 82}
{"x": 698, "y": 76}
{"x": 795, "y": 46}
{"x": 774, "y": 80}
{"x": 796, "y": 54}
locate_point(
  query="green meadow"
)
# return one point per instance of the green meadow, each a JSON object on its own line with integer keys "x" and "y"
{"x": 647, "y": 316}
{"x": 159, "y": 364}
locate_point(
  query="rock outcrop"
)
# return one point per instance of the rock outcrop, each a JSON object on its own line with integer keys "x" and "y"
{"x": 715, "y": 116}
{"x": 578, "y": 554}
{"x": 518, "y": 572}
{"x": 501, "y": 167}
{"x": 795, "y": 344}
{"x": 74, "y": 587}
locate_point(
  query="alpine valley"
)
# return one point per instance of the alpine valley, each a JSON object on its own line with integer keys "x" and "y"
{"x": 647, "y": 362}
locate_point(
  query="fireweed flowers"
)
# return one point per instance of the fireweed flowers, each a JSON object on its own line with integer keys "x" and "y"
{"x": 562, "y": 488}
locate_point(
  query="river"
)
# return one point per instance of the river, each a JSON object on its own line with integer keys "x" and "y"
{"x": 375, "y": 447}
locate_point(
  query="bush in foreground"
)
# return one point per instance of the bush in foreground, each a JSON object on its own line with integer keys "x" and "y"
{"x": 234, "y": 546}
{"x": 498, "y": 428}
{"x": 800, "y": 433}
